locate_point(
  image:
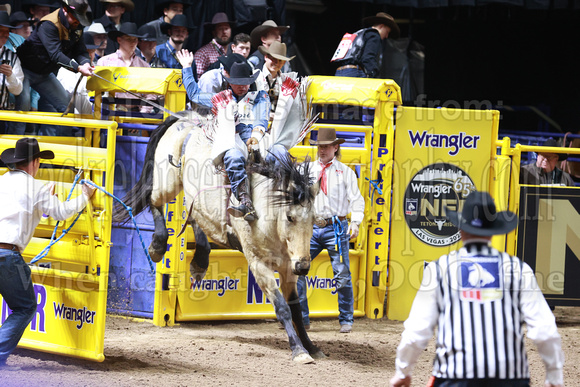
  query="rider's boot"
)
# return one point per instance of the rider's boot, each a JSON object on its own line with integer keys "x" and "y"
{"x": 245, "y": 209}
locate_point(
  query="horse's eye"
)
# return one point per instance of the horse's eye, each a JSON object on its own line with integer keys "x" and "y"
{"x": 290, "y": 218}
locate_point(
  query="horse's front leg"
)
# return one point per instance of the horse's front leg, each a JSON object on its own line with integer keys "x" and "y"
{"x": 288, "y": 285}
{"x": 267, "y": 282}
{"x": 200, "y": 262}
{"x": 158, "y": 245}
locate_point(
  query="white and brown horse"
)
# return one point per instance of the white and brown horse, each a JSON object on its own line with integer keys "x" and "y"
{"x": 279, "y": 240}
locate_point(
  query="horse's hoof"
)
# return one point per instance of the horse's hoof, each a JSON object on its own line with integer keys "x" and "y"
{"x": 303, "y": 358}
{"x": 155, "y": 257}
{"x": 318, "y": 355}
{"x": 197, "y": 273}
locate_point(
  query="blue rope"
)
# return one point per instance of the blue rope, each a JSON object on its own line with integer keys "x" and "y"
{"x": 44, "y": 252}
{"x": 375, "y": 184}
{"x": 338, "y": 231}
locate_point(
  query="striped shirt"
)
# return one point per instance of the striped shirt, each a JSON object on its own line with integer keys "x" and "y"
{"x": 480, "y": 298}
{"x": 13, "y": 83}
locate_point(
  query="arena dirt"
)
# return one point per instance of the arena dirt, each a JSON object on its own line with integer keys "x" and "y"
{"x": 250, "y": 353}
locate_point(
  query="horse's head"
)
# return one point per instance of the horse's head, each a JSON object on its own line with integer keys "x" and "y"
{"x": 292, "y": 199}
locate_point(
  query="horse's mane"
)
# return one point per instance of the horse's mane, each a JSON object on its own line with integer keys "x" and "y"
{"x": 290, "y": 180}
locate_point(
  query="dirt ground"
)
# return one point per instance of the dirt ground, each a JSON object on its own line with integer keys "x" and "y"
{"x": 250, "y": 353}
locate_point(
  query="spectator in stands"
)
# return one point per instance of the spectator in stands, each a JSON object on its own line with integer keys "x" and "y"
{"x": 15, "y": 39}
{"x": 11, "y": 75}
{"x": 271, "y": 75}
{"x": 363, "y": 62}
{"x": 544, "y": 170}
{"x": 214, "y": 81}
{"x": 56, "y": 42}
{"x": 264, "y": 35}
{"x": 250, "y": 126}
{"x": 22, "y": 25}
{"x": 112, "y": 19}
{"x": 169, "y": 9}
{"x": 100, "y": 39}
{"x": 240, "y": 45}
{"x": 39, "y": 9}
{"x": 177, "y": 30}
{"x": 147, "y": 46}
{"x": 24, "y": 201}
{"x": 221, "y": 28}
{"x": 127, "y": 39}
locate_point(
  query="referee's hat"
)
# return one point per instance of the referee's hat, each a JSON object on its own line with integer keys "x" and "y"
{"x": 479, "y": 216}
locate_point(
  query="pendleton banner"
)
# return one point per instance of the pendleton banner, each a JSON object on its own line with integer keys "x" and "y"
{"x": 440, "y": 156}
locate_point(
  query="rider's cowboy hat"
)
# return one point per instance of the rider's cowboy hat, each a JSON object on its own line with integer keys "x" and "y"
{"x": 80, "y": 9}
{"x": 276, "y": 50}
{"x": 26, "y": 149}
{"x": 326, "y": 136}
{"x": 479, "y": 216}
{"x": 383, "y": 18}
{"x": 162, "y": 4}
{"x": 228, "y": 60}
{"x": 177, "y": 21}
{"x": 5, "y": 21}
{"x": 127, "y": 28}
{"x": 261, "y": 30}
{"x": 128, "y": 4}
{"x": 219, "y": 18}
{"x": 241, "y": 74}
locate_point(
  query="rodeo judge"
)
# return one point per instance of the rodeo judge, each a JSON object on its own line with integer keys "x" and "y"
{"x": 480, "y": 298}
{"x": 24, "y": 200}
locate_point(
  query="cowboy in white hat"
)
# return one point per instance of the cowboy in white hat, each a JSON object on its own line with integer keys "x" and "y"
{"x": 233, "y": 139}
{"x": 271, "y": 76}
{"x": 24, "y": 200}
{"x": 339, "y": 195}
{"x": 478, "y": 298}
{"x": 264, "y": 35}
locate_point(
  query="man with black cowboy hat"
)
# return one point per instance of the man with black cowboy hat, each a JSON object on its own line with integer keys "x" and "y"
{"x": 264, "y": 35}
{"x": 22, "y": 25}
{"x": 221, "y": 30}
{"x": 479, "y": 299}
{"x": 214, "y": 81}
{"x": 338, "y": 196}
{"x": 11, "y": 75}
{"x": 24, "y": 200}
{"x": 147, "y": 45}
{"x": 37, "y": 9}
{"x": 168, "y": 9}
{"x": 251, "y": 109}
{"x": 178, "y": 30}
{"x": 112, "y": 19}
{"x": 55, "y": 42}
{"x": 359, "y": 54}
{"x": 127, "y": 39}
{"x": 544, "y": 170}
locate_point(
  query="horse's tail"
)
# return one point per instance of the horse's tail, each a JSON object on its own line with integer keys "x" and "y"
{"x": 139, "y": 197}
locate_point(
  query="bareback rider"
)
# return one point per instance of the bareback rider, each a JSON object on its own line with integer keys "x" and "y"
{"x": 250, "y": 117}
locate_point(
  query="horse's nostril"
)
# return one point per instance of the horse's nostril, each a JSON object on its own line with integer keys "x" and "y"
{"x": 302, "y": 267}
